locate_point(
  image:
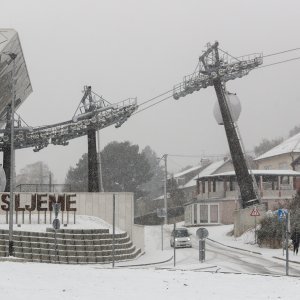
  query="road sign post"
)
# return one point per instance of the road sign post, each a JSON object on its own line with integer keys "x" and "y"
{"x": 56, "y": 225}
{"x": 287, "y": 244}
{"x": 202, "y": 234}
{"x": 254, "y": 213}
{"x": 282, "y": 212}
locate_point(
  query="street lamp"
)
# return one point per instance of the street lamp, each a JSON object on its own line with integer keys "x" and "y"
{"x": 12, "y": 158}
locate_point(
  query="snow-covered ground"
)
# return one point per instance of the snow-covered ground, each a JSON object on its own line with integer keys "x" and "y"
{"x": 82, "y": 222}
{"x": 41, "y": 281}
{"x": 189, "y": 279}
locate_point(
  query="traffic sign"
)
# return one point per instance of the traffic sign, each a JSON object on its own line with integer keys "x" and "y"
{"x": 282, "y": 213}
{"x": 255, "y": 212}
{"x": 202, "y": 233}
{"x": 56, "y": 224}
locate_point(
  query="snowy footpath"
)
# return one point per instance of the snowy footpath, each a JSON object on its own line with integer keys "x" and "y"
{"x": 189, "y": 279}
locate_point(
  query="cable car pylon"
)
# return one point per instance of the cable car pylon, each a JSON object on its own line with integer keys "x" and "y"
{"x": 215, "y": 70}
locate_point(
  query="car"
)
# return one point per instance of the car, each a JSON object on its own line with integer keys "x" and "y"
{"x": 180, "y": 237}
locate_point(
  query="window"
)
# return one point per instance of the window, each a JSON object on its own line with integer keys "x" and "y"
{"x": 214, "y": 213}
{"x": 283, "y": 166}
{"x": 214, "y": 186}
{"x": 195, "y": 213}
{"x": 203, "y": 213}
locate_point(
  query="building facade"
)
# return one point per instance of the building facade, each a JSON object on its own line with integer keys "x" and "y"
{"x": 218, "y": 196}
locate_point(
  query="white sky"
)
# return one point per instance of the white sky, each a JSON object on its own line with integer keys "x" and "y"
{"x": 142, "y": 48}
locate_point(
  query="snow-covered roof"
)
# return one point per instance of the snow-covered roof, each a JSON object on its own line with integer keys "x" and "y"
{"x": 187, "y": 171}
{"x": 210, "y": 169}
{"x": 288, "y": 146}
{"x": 259, "y": 172}
{"x": 162, "y": 197}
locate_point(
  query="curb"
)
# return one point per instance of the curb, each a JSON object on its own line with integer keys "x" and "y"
{"x": 254, "y": 252}
{"x": 147, "y": 264}
{"x": 292, "y": 261}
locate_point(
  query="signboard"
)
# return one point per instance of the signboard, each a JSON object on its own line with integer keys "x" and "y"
{"x": 282, "y": 213}
{"x": 161, "y": 212}
{"x": 255, "y": 212}
{"x": 10, "y": 44}
{"x": 38, "y": 202}
{"x": 202, "y": 233}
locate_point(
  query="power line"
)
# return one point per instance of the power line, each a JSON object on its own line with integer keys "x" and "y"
{"x": 281, "y": 52}
{"x": 176, "y": 163}
{"x": 183, "y": 155}
{"x": 279, "y": 62}
{"x": 164, "y": 99}
{"x": 155, "y": 97}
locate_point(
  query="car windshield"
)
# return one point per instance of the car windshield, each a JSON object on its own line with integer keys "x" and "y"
{"x": 181, "y": 233}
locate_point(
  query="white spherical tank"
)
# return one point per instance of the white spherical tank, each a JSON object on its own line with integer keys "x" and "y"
{"x": 234, "y": 106}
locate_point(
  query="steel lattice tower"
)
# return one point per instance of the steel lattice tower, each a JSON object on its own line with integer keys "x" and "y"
{"x": 214, "y": 70}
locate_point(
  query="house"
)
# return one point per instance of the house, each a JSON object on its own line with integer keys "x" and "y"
{"x": 218, "y": 195}
{"x": 190, "y": 188}
{"x": 284, "y": 156}
{"x": 183, "y": 177}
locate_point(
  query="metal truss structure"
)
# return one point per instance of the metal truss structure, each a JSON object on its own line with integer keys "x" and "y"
{"x": 211, "y": 67}
{"x": 93, "y": 113}
{"x": 215, "y": 70}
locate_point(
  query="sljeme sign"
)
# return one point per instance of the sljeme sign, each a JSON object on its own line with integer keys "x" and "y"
{"x": 38, "y": 202}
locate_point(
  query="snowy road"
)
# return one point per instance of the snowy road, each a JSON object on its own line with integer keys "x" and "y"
{"x": 239, "y": 261}
{"x": 226, "y": 259}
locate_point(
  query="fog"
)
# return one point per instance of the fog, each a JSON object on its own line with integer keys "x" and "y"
{"x": 141, "y": 49}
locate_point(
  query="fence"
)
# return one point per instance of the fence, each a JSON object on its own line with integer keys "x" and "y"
{"x": 41, "y": 188}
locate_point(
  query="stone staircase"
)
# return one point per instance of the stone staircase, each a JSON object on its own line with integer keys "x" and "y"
{"x": 74, "y": 246}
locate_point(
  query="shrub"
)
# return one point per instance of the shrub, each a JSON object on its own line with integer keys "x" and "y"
{"x": 270, "y": 232}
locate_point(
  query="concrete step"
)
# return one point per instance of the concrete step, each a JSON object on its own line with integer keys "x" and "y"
{"x": 73, "y": 252}
{"x": 73, "y": 246}
{"x": 75, "y": 259}
{"x": 79, "y": 231}
{"x": 102, "y": 239}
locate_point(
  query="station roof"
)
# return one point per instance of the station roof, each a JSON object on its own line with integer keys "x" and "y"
{"x": 10, "y": 43}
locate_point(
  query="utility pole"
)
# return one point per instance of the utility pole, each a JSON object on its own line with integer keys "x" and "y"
{"x": 12, "y": 159}
{"x": 165, "y": 156}
{"x": 50, "y": 182}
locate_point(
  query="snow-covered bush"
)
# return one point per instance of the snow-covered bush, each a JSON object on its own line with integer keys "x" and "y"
{"x": 270, "y": 233}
